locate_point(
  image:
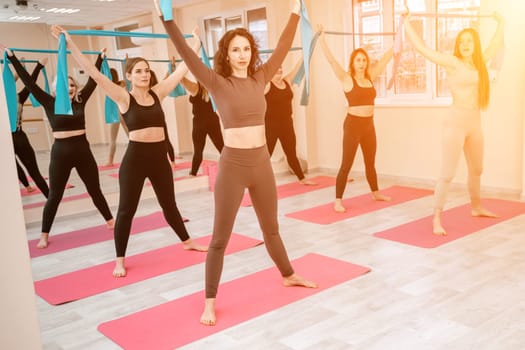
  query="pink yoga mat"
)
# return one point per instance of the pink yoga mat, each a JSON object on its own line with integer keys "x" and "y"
{"x": 108, "y": 167}
{"x": 295, "y": 188}
{"x": 98, "y": 279}
{"x": 95, "y": 234}
{"x": 176, "y": 323}
{"x": 457, "y": 221}
{"x": 325, "y": 214}
{"x": 187, "y": 165}
{"x": 65, "y": 199}
{"x": 147, "y": 183}
{"x": 23, "y": 191}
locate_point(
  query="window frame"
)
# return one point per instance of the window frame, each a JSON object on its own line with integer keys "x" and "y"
{"x": 430, "y": 96}
{"x": 224, "y": 15}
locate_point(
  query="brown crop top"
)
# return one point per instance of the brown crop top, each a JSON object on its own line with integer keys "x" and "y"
{"x": 240, "y": 101}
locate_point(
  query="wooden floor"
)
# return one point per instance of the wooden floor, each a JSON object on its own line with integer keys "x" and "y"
{"x": 468, "y": 294}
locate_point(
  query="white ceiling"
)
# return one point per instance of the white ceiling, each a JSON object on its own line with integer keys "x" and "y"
{"x": 92, "y": 12}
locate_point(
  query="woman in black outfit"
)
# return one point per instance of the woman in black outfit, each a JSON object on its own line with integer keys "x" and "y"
{"x": 23, "y": 149}
{"x": 205, "y": 122}
{"x": 278, "y": 119}
{"x": 145, "y": 156}
{"x": 70, "y": 148}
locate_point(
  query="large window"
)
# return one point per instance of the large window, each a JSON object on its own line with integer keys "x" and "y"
{"x": 253, "y": 19}
{"x": 416, "y": 79}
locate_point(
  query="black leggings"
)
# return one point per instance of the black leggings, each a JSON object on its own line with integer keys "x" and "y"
{"x": 66, "y": 154}
{"x": 357, "y": 131}
{"x": 26, "y": 155}
{"x": 21, "y": 174}
{"x": 201, "y": 128}
{"x": 145, "y": 160}
{"x": 283, "y": 131}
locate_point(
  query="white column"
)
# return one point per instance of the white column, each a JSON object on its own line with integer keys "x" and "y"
{"x": 19, "y": 328}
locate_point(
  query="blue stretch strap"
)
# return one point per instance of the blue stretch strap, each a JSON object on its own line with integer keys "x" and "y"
{"x": 111, "y": 114}
{"x": 166, "y": 9}
{"x": 92, "y": 32}
{"x": 62, "y": 100}
{"x": 179, "y": 89}
{"x": 306, "y": 90}
{"x": 10, "y": 93}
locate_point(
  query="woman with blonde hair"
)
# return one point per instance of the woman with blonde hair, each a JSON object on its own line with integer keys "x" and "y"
{"x": 70, "y": 148}
{"x": 470, "y": 88}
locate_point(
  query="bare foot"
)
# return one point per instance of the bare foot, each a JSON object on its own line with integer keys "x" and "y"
{"x": 296, "y": 280}
{"x": 30, "y": 189}
{"x": 338, "y": 206}
{"x": 481, "y": 212}
{"x": 120, "y": 268}
{"x": 110, "y": 224}
{"x": 438, "y": 228}
{"x": 44, "y": 241}
{"x": 307, "y": 182}
{"x": 380, "y": 197}
{"x": 190, "y": 244}
{"x": 208, "y": 315}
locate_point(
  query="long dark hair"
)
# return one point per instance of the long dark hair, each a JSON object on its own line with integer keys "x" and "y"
{"x": 351, "y": 68}
{"x": 479, "y": 63}
{"x": 220, "y": 61}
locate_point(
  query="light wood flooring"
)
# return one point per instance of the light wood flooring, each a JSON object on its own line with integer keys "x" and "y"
{"x": 468, "y": 294}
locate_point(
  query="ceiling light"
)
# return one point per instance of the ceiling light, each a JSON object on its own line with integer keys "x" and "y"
{"x": 62, "y": 10}
{"x": 24, "y": 18}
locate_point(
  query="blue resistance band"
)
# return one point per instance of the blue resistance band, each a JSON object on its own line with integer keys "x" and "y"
{"x": 166, "y": 9}
{"x": 111, "y": 114}
{"x": 306, "y": 42}
{"x": 10, "y": 93}
{"x": 179, "y": 89}
{"x": 62, "y": 100}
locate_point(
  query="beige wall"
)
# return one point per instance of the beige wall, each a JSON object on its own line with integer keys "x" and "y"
{"x": 19, "y": 327}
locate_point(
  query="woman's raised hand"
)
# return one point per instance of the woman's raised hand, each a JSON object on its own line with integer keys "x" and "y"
{"x": 5, "y": 48}
{"x": 296, "y": 7}
{"x": 56, "y": 30}
{"x": 195, "y": 33}
{"x": 157, "y": 7}
{"x": 498, "y": 17}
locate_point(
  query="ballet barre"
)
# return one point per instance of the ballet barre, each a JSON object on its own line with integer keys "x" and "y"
{"x": 449, "y": 15}
{"x": 360, "y": 34}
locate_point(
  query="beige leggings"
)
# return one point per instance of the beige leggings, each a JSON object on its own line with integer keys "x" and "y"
{"x": 461, "y": 131}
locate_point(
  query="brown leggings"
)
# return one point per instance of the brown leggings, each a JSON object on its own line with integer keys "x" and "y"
{"x": 240, "y": 169}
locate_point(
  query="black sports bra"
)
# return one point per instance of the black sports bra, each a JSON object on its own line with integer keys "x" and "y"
{"x": 139, "y": 117}
{"x": 360, "y": 96}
